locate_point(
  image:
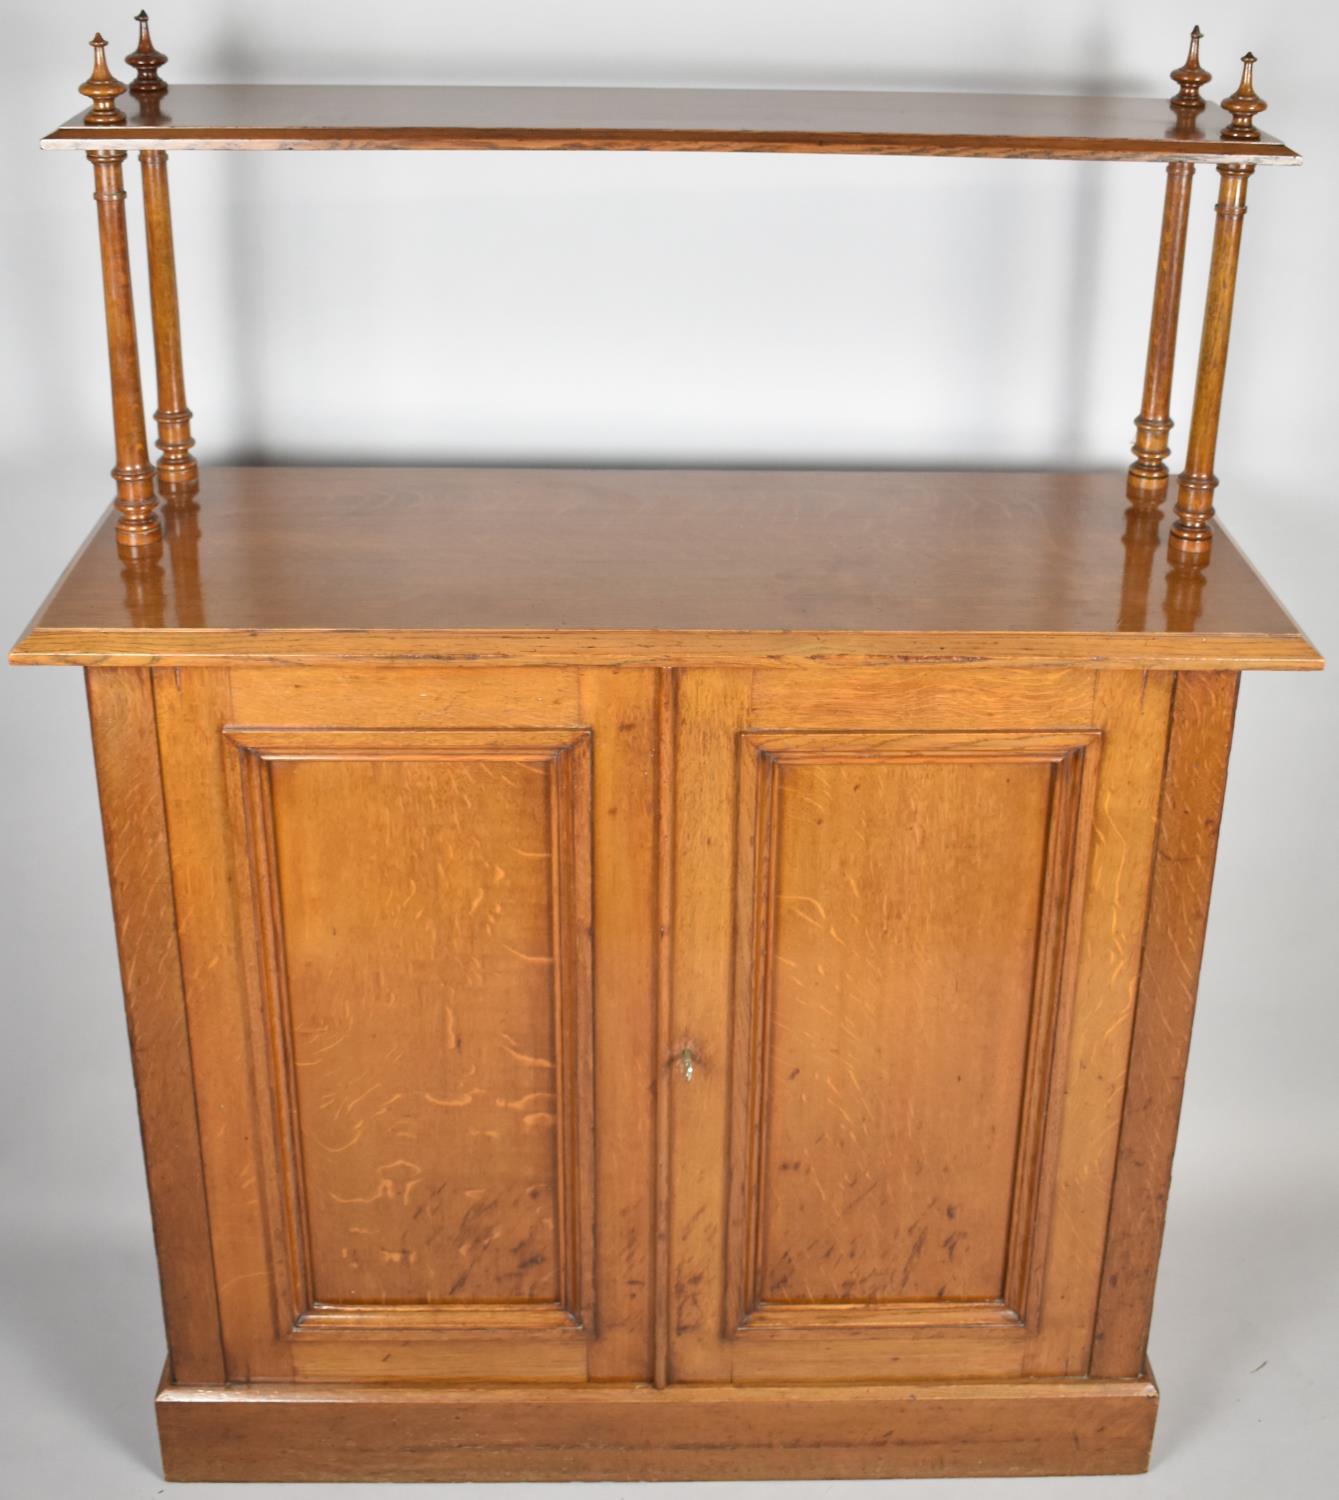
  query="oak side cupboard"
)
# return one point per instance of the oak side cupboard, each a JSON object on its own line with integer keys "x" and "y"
{"x": 659, "y": 974}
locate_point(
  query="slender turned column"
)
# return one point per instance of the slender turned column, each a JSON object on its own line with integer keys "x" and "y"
{"x": 1146, "y": 483}
{"x": 137, "y": 525}
{"x": 1192, "y": 534}
{"x": 177, "y": 471}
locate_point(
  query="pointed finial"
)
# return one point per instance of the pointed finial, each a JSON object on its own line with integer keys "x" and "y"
{"x": 146, "y": 61}
{"x": 1244, "y": 105}
{"x": 1190, "y": 78}
{"x": 102, "y": 88}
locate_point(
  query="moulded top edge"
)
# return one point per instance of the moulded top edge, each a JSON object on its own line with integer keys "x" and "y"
{"x": 451, "y": 117}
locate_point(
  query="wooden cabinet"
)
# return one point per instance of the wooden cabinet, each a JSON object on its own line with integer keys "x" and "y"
{"x": 903, "y": 912}
{"x": 659, "y": 974}
{"x": 781, "y": 1055}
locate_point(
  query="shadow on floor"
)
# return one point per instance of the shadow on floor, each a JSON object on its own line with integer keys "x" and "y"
{"x": 81, "y": 1326}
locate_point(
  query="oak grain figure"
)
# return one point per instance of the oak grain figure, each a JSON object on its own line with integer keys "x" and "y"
{"x": 642, "y": 974}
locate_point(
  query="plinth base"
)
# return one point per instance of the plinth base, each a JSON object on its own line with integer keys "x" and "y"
{"x": 304, "y": 1433}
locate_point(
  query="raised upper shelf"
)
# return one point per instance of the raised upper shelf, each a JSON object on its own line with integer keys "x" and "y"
{"x": 670, "y": 567}
{"x": 303, "y": 117}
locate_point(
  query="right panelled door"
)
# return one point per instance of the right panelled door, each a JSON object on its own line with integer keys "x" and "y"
{"x": 908, "y": 910}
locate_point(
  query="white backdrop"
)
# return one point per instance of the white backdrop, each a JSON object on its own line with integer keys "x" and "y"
{"x": 640, "y": 308}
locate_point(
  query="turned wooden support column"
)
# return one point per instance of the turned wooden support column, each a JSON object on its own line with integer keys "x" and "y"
{"x": 1146, "y": 483}
{"x": 134, "y": 474}
{"x": 177, "y": 470}
{"x": 1192, "y": 533}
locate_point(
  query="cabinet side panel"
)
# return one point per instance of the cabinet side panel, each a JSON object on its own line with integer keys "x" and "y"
{"x": 1203, "y": 711}
{"x": 125, "y": 749}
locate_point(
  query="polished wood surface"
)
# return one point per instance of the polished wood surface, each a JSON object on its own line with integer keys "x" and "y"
{"x": 1148, "y": 474}
{"x": 659, "y": 566}
{"x": 1244, "y": 105}
{"x": 436, "y": 1137}
{"x": 147, "y": 62}
{"x": 1190, "y": 78}
{"x": 177, "y": 469}
{"x": 125, "y": 751}
{"x": 743, "y": 1118}
{"x": 391, "y": 954}
{"x": 103, "y": 90}
{"x": 344, "y": 117}
{"x": 659, "y": 974}
{"x": 1192, "y": 534}
{"x": 137, "y": 526}
{"x": 835, "y": 939}
{"x": 1203, "y": 710}
{"x": 868, "y": 848}
{"x": 373, "y": 1433}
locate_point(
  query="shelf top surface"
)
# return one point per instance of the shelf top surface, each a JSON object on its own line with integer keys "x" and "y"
{"x": 660, "y": 565}
{"x": 449, "y": 117}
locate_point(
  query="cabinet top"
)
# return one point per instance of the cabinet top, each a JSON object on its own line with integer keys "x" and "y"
{"x": 665, "y": 567}
{"x": 278, "y": 117}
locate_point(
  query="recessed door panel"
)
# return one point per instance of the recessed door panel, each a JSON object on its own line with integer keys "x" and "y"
{"x": 427, "y": 966}
{"x": 901, "y": 895}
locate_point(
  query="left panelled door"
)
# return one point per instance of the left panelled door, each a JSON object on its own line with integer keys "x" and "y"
{"x": 412, "y": 902}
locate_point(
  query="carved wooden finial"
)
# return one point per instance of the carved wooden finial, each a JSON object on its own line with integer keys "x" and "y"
{"x": 146, "y": 61}
{"x": 1244, "y": 105}
{"x": 1190, "y": 78}
{"x": 102, "y": 88}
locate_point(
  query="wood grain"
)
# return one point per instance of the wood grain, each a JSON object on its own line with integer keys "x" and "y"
{"x": 1146, "y": 481}
{"x": 1192, "y": 798}
{"x": 1095, "y": 1026}
{"x": 658, "y": 567}
{"x": 922, "y": 697}
{"x": 711, "y": 710}
{"x": 658, "y": 974}
{"x": 191, "y": 707}
{"x": 612, "y": 1433}
{"x": 428, "y": 1021}
{"x": 1192, "y": 534}
{"x": 137, "y": 526}
{"x": 428, "y": 697}
{"x": 125, "y": 751}
{"x": 1089, "y": 967}
{"x": 435, "y": 1181}
{"x": 856, "y": 122}
{"x": 177, "y": 468}
{"x": 620, "y": 709}
{"x": 871, "y": 1043}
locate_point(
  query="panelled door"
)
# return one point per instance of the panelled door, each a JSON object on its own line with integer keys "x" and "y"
{"x": 908, "y": 915}
{"x": 419, "y": 969}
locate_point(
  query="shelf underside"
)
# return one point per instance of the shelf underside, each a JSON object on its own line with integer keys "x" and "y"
{"x": 278, "y": 117}
{"x": 660, "y": 565}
